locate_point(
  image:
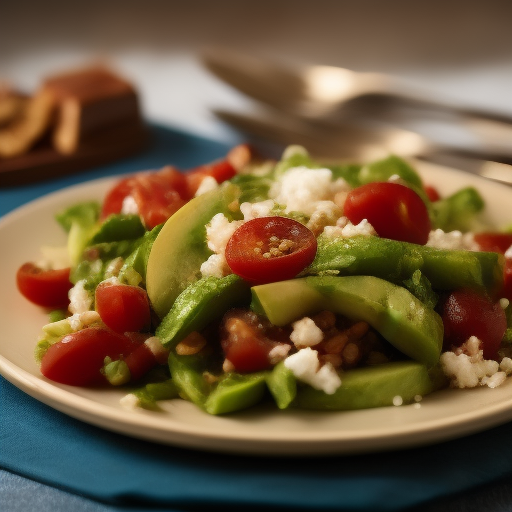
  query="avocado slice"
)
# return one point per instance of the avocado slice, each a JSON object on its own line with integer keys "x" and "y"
{"x": 373, "y": 386}
{"x": 409, "y": 325}
{"x": 180, "y": 248}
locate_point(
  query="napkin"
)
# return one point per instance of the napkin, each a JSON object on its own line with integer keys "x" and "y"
{"x": 42, "y": 444}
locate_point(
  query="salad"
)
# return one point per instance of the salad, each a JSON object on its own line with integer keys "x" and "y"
{"x": 309, "y": 285}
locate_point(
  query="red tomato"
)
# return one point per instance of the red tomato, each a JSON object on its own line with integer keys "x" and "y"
{"x": 270, "y": 249}
{"x": 157, "y": 195}
{"x": 78, "y": 357}
{"x": 432, "y": 193}
{"x": 47, "y": 288}
{"x": 123, "y": 308}
{"x": 248, "y": 354}
{"x": 494, "y": 242}
{"x": 221, "y": 171}
{"x": 394, "y": 210}
{"x": 466, "y": 313}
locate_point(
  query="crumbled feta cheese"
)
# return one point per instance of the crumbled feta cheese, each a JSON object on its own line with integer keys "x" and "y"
{"x": 207, "y": 184}
{"x": 79, "y": 298}
{"x": 494, "y": 380}
{"x": 218, "y": 232}
{"x": 508, "y": 253}
{"x": 306, "y": 333}
{"x": 305, "y": 365}
{"x": 78, "y": 321}
{"x": 215, "y": 266}
{"x": 467, "y": 368}
{"x": 256, "y": 210}
{"x": 453, "y": 240}
{"x": 326, "y": 213}
{"x": 130, "y": 401}
{"x": 278, "y": 353}
{"x": 345, "y": 229}
{"x": 300, "y": 188}
{"x": 114, "y": 267}
{"x": 129, "y": 206}
{"x": 506, "y": 365}
{"x": 504, "y": 303}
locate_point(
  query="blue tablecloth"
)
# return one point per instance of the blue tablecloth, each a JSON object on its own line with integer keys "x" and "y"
{"x": 49, "y": 461}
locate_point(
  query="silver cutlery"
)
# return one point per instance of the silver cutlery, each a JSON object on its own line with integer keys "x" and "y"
{"x": 362, "y": 143}
{"x": 329, "y": 93}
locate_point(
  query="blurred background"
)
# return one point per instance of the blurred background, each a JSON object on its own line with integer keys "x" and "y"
{"x": 459, "y": 49}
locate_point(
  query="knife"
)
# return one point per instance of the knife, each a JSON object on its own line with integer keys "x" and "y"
{"x": 361, "y": 143}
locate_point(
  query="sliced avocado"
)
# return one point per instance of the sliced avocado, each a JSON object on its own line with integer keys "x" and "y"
{"x": 180, "y": 248}
{"x": 199, "y": 304}
{"x": 236, "y": 392}
{"x": 409, "y": 325}
{"x": 397, "y": 261}
{"x": 374, "y": 386}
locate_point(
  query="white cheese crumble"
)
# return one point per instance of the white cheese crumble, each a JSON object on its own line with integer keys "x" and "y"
{"x": 80, "y": 300}
{"x": 130, "y": 401}
{"x": 508, "y": 253}
{"x": 278, "y": 353}
{"x": 326, "y": 213}
{"x": 300, "y": 188}
{"x": 467, "y": 368}
{"x": 79, "y": 321}
{"x": 345, "y": 229}
{"x": 453, "y": 240}
{"x": 129, "y": 206}
{"x": 218, "y": 232}
{"x": 207, "y": 184}
{"x": 306, "y": 333}
{"x": 257, "y": 210}
{"x": 305, "y": 365}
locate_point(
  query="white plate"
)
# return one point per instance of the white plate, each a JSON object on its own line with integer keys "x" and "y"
{"x": 263, "y": 430}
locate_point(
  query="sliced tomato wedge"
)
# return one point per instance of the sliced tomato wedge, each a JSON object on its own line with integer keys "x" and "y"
{"x": 77, "y": 359}
{"x": 222, "y": 170}
{"x": 157, "y": 195}
{"x": 494, "y": 242}
{"x": 270, "y": 249}
{"x": 394, "y": 210}
{"x": 46, "y": 288}
{"x": 123, "y": 308}
{"x": 467, "y": 313}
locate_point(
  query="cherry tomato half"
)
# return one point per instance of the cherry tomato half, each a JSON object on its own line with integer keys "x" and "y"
{"x": 270, "y": 249}
{"x": 467, "y": 313}
{"x": 494, "y": 242}
{"x": 157, "y": 195}
{"x": 46, "y": 288}
{"x": 123, "y": 308}
{"x": 394, "y": 210}
{"x": 78, "y": 357}
{"x": 221, "y": 171}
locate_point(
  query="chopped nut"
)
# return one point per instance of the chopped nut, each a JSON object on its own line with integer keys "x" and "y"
{"x": 351, "y": 353}
{"x": 358, "y": 330}
{"x": 192, "y": 344}
{"x": 325, "y": 320}
{"x": 336, "y": 344}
